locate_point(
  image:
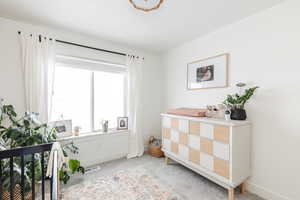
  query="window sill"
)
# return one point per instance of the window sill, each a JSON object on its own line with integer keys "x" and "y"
{"x": 92, "y": 134}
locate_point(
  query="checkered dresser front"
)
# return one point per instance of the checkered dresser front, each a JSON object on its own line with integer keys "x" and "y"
{"x": 203, "y": 144}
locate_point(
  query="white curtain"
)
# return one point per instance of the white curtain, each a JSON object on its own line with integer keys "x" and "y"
{"x": 38, "y": 61}
{"x": 135, "y": 73}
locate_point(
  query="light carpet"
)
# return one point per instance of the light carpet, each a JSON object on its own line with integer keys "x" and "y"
{"x": 130, "y": 184}
{"x": 146, "y": 178}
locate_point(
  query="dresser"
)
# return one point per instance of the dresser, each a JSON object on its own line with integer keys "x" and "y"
{"x": 214, "y": 148}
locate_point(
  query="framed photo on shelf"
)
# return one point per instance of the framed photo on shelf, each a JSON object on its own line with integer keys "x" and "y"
{"x": 122, "y": 123}
{"x": 208, "y": 73}
{"x": 63, "y": 127}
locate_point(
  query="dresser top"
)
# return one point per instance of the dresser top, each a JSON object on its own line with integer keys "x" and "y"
{"x": 210, "y": 120}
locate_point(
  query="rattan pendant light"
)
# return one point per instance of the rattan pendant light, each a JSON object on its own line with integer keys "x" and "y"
{"x": 146, "y": 5}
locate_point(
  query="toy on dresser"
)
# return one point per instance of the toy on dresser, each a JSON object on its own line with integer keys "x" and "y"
{"x": 216, "y": 111}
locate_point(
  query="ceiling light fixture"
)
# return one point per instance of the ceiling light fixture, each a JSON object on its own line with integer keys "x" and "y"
{"x": 146, "y": 5}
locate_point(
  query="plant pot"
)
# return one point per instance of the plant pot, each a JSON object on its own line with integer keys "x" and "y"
{"x": 238, "y": 114}
{"x": 17, "y": 194}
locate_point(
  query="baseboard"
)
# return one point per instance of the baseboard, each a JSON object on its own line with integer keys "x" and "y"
{"x": 264, "y": 192}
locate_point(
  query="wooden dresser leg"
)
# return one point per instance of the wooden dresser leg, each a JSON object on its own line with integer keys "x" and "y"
{"x": 243, "y": 188}
{"x": 231, "y": 194}
{"x": 166, "y": 160}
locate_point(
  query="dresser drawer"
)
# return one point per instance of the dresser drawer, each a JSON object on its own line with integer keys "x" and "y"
{"x": 166, "y": 133}
{"x": 206, "y": 145}
{"x": 194, "y": 128}
{"x": 221, "y": 134}
{"x": 174, "y": 136}
{"x": 166, "y": 122}
{"x": 183, "y": 125}
{"x": 221, "y": 167}
{"x": 167, "y": 144}
{"x": 221, "y": 150}
{"x": 183, "y": 138}
{"x": 174, "y": 123}
{"x": 194, "y": 156}
{"x": 183, "y": 151}
{"x": 207, "y": 130}
{"x": 194, "y": 142}
{"x": 207, "y": 161}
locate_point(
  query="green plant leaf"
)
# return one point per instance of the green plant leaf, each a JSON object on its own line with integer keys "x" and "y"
{"x": 63, "y": 176}
{"x": 74, "y": 165}
{"x": 236, "y": 100}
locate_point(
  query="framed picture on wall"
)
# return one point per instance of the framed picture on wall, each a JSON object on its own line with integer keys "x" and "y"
{"x": 208, "y": 73}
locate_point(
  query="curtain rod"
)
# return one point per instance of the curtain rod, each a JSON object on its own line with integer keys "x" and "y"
{"x": 93, "y": 48}
{"x": 88, "y": 47}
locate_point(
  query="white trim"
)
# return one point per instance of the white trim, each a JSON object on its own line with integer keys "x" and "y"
{"x": 62, "y": 58}
{"x": 93, "y": 134}
{"x": 90, "y": 64}
{"x": 264, "y": 192}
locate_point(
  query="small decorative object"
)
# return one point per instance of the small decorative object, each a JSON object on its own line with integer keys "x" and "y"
{"x": 77, "y": 130}
{"x": 227, "y": 114}
{"x": 146, "y": 5}
{"x": 122, "y": 123}
{"x": 104, "y": 124}
{"x": 63, "y": 127}
{"x": 155, "y": 147}
{"x": 212, "y": 111}
{"x": 221, "y": 111}
{"x": 236, "y": 102}
{"x": 208, "y": 73}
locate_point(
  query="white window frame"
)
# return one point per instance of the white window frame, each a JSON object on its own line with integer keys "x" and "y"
{"x": 96, "y": 65}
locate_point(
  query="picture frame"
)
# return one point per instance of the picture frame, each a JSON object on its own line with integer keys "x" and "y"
{"x": 208, "y": 73}
{"x": 63, "y": 127}
{"x": 122, "y": 123}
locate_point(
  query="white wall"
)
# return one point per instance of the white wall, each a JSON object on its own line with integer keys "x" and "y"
{"x": 265, "y": 51}
{"x": 99, "y": 148}
{"x": 11, "y": 86}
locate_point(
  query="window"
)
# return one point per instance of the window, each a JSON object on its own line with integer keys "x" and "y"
{"x": 108, "y": 97}
{"x": 87, "y": 96}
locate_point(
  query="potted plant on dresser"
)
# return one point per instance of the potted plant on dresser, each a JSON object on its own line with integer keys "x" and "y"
{"x": 236, "y": 102}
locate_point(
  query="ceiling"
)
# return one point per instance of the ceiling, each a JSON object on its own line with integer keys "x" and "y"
{"x": 176, "y": 22}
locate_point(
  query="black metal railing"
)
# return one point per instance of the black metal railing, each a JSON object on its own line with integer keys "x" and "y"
{"x": 22, "y": 155}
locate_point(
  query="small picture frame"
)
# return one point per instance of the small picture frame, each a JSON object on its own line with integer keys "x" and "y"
{"x": 63, "y": 127}
{"x": 122, "y": 123}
